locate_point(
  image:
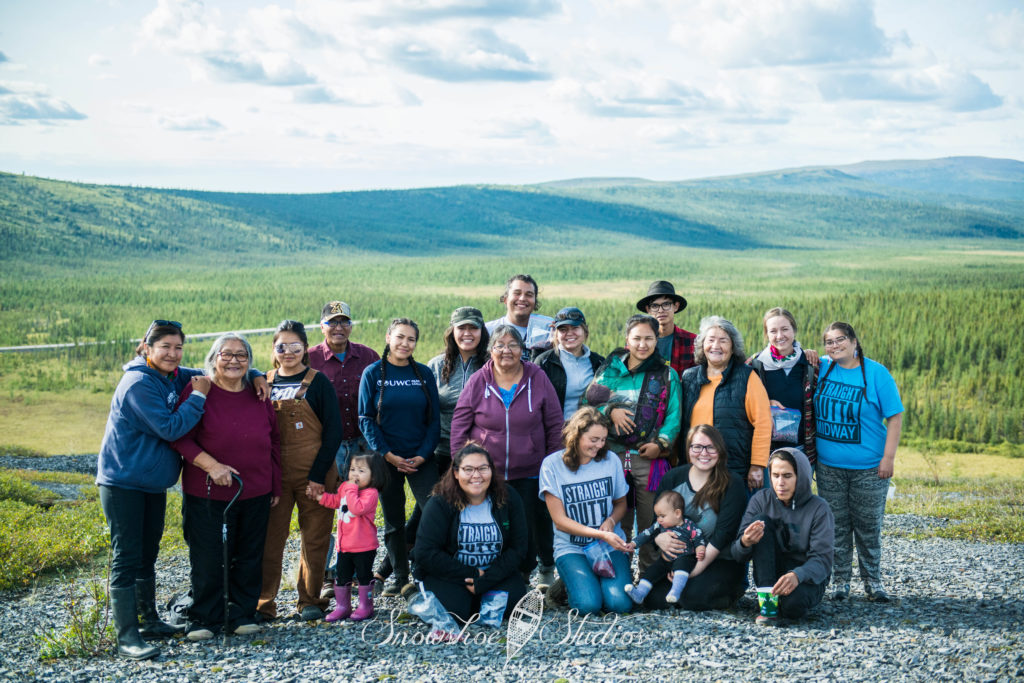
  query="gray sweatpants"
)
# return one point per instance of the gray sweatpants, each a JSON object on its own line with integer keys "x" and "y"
{"x": 857, "y": 499}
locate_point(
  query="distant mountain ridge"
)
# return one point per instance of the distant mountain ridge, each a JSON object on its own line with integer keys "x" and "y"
{"x": 958, "y": 198}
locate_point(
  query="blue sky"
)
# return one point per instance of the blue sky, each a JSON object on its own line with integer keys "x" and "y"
{"x": 321, "y": 95}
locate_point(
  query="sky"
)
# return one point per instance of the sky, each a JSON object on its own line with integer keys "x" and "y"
{"x": 329, "y": 95}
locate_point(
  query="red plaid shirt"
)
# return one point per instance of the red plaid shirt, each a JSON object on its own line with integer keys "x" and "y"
{"x": 682, "y": 350}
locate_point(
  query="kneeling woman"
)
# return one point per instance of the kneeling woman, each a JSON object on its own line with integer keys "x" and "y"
{"x": 585, "y": 491}
{"x": 472, "y": 537}
{"x": 789, "y": 532}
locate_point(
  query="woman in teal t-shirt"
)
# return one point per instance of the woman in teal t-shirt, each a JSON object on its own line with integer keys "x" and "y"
{"x": 859, "y": 418}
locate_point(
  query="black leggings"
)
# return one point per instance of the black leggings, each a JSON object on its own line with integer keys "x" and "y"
{"x": 660, "y": 568}
{"x": 360, "y": 564}
{"x": 717, "y": 587}
{"x": 463, "y": 604}
{"x": 771, "y": 562}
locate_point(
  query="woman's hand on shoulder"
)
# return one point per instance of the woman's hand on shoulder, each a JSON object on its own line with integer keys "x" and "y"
{"x": 262, "y": 388}
{"x": 622, "y": 419}
{"x": 813, "y": 358}
{"x": 201, "y": 383}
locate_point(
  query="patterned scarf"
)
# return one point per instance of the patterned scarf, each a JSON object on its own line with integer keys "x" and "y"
{"x": 772, "y": 361}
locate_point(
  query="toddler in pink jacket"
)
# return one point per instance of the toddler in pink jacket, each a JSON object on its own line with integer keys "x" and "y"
{"x": 356, "y": 503}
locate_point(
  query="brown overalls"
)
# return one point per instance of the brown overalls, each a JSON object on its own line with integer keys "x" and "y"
{"x": 300, "y": 442}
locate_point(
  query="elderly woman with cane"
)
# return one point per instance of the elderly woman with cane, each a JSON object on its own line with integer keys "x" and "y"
{"x": 237, "y": 436}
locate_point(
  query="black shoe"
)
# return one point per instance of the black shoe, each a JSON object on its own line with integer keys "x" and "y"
{"x": 126, "y": 623}
{"x": 393, "y": 588}
{"x": 877, "y": 594}
{"x": 841, "y": 591}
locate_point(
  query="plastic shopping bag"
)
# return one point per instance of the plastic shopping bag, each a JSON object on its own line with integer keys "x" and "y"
{"x": 599, "y": 554}
{"x": 492, "y": 608}
{"x": 785, "y": 425}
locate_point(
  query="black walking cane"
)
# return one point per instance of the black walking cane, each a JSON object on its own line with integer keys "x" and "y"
{"x": 224, "y": 547}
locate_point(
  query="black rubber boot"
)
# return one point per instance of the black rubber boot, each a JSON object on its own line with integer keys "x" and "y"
{"x": 152, "y": 625}
{"x": 126, "y": 623}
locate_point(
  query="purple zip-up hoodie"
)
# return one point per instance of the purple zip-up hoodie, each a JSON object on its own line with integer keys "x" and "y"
{"x": 519, "y": 438}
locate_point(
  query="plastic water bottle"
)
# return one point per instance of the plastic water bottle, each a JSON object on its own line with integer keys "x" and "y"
{"x": 492, "y": 608}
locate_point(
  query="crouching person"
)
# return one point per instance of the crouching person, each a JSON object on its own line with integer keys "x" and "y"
{"x": 789, "y": 532}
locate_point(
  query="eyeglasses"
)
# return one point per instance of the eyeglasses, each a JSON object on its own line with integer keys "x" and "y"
{"x": 227, "y": 355}
{"x": 293, "y": 347}
{"x": 470, "y": 471}
{"x": 512, "y": 346}
{"x": 338, "y": 323}
{"x": 835, "y": 342}
{"x": 666, "y": 306}
{"x": 698, "y": 448}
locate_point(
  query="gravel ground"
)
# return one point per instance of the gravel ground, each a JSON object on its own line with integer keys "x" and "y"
{"x": 958, "y": 616}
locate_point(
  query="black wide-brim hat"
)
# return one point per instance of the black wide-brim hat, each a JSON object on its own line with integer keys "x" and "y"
{"x": 660, "y": 288}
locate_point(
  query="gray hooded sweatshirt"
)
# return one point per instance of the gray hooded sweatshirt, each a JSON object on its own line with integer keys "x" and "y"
{"x": 808, "y": 518}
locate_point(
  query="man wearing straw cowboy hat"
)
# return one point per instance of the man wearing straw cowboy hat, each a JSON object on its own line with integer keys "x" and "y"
{"x": 674, "y": 343}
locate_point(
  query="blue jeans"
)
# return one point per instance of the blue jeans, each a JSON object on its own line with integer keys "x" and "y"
{"x": 588, "y": 593}
{"x": 346, "y": 450}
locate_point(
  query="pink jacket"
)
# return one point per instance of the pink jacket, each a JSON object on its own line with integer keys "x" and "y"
{"x": 357, "y": 532}
{"x": 518, "y": 438}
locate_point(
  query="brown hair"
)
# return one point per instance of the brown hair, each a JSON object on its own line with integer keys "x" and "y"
{"x": 451, "y": 492}
{"x": 774, "y": 312}
{"x": 847, "y": 329}
{"x": 582, "y": 420}
{"x": 712, "y": 492}
{"x": 451, "y": 352}
{"x": 155, "y": 333}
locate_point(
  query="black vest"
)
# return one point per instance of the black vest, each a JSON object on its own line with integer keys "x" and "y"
{"x": 730, "y": 411}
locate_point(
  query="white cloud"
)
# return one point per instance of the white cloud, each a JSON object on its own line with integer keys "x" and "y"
{"x": 742, "y": 33}
{"x": 637, "y": 94}
{"x": 477, "y": 55}
{"x": 1006, "y": 31}
{"x": 99, "y": 61}
{"x": 184, "y": 26}
{"x": 24, "y": 101}
{"x": 187, "y": 123}
{"x": 262, "y": 69}
{"x": 416, "y": 11}
{"x": 530, "y": 130}
{"x": 953, "y": 89}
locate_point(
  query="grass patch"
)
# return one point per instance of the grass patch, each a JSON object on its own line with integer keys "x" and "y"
{"x": 15, "y": 451}
{"x": 34, "y": 540}
{"x": 55, "y": 423}
{"x": 981, "y": 509}
{"x": 88, "y": 631}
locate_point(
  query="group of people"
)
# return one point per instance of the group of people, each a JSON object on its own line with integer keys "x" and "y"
{"x": 524, "y": 450}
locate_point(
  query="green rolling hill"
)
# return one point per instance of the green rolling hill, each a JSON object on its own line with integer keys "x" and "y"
{"x": 965, "y": 198}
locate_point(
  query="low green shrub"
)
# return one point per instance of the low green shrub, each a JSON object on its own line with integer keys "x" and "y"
{"x": 13, "y": 487}
{"x": 12, "y": 451}
{"x": 88, "y": 631}
{"x": 978, "y": 509}
{"x": 34, "y": 540}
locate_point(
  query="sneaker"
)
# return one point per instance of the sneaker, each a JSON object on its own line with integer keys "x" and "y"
{"x": 766, "y": 621}
{"x": 327, "y": 590}
{"x": 841, "y": 591}
{"x": 311, "y": 613}
{"x": 545, "y": 575}
{"x": 247, "y": 629}
{"x": 556, "y": 594}
{"x": 393, "y": 588}
{"x": 198, "y": 634}
{"x": 877, "y": 594}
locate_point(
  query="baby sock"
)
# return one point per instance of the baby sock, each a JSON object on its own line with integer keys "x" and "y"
{"x": 639, "y": 591}
{"x": 678, "y": 583}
